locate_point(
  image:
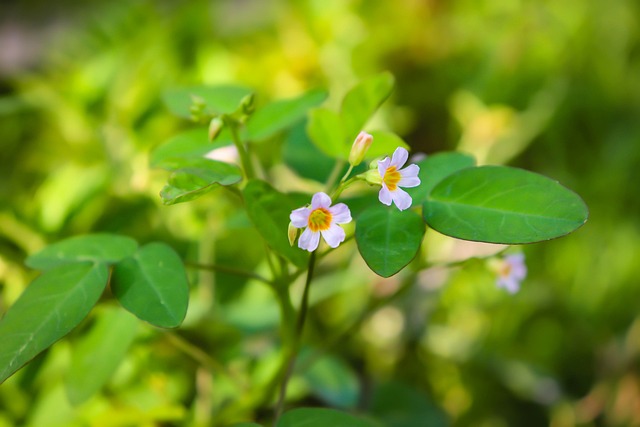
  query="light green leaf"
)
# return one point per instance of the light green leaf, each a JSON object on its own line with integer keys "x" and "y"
{"x": 279, "y": 115}
{"x": 269, "y": 211}
{"x": 361, "y": 102}
{"x": 321, "y": 417}
{"x": 197, "y": 177}
{"x": 499, "y": 204}
{"x": 388, "y": 239}
{"x": 326, "y": 132}
{"x": 186, "y": 146}
{"x": 333, "y": 381}
{"x": 106, "y": 248}
{"x": 50, "y": 307}
{"x": 223, "y": 99}
{"x": 384, "y": 144}
{"x": 434, "y": 169}
{"x": 152, "y": 284}
{"x": 97, "y": 355}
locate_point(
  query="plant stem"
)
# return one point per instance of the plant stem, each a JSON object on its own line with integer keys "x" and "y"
{"x": 333, "y": 177}
{"x": 247, "y": 166}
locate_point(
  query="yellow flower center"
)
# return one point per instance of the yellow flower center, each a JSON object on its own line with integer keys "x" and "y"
{"x": 319, "y": 220}
{"x": 505, "y": 269}
{"x": 392, "y": 177}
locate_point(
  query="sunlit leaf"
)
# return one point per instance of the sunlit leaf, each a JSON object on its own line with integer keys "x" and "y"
{"x": 97, "y": 355}
{"x": 499, "y": 204}
{"x": 321, "y": 417}
{"x": 107, "y": 248}
{"x": 332, "y": 380}
{"x": 218, "y": 99}
{"x": 388, "y": 239}
{"x": 186, "y": 146}
{"x": 47, "y": 310}
{"x": 196, "y": 179}
{"x": 152, "y": 284}
{"x": 326, "y": 131}
{"x": 281, "y": 114}
{"x": 435, "y": 168}
{"x": 269, "y": 211}
{"x": 362, "y": 101}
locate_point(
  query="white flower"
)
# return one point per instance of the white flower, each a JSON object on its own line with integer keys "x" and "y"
{"x": 393, "y": 178}
{"x": 320, "y": 218}
{"x": 510, "y": 271}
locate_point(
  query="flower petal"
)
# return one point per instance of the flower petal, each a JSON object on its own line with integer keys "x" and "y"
{"x": 320, "y": 200}
{"x": 410, "y": 171}
{"x": 300, "y": 217}
{"x": 511, "y": 285}
{"x": 399, "y": 157}
{"x": 383, "y": 165}
{"x": 340, "y": 213}
{"x": 309, "y": 240}
{"x": 334, "y": 235}
{"x": 385, "y": 195}
{"x": 401, "y": 198}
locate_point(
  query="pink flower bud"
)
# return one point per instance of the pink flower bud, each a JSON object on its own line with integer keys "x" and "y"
{"x": 359, "y": 149}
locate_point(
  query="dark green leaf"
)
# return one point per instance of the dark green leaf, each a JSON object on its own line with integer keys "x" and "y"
{"x": 48, "y": 310}
{"x": 321, "y": 417}
{"x": 97, "y": 355}
{"x": 279, "y": 115}
{"x": 301, "y": 155}
{"x": 186, "y": 146}
{"x": 399, "y": 405}
{"x": 326, "y": 132}
{"x": 362, "y": 101}
{"x": 198, "y": 178}
{"x": 218, "y": 99}
{"x": 152, "y": 284}
{"x": 388, "y": 239}
{"x": 333, "y": 381}
{"x": 269, "y": 211}
{"x": 434, "y": 169}
{"x": 107, "y": 248}
{"x": 246, "y": 425}
{"x": 499, "y": 204}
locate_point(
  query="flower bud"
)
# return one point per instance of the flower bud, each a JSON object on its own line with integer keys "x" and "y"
{"x": 215, "y": 126}
{"x": 359, "y": 148}
{"x": 292, "y": 233}
{"x": 372, "y": 176}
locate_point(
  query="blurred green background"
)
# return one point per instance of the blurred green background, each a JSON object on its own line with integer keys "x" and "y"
{"x": 550, "y": 86}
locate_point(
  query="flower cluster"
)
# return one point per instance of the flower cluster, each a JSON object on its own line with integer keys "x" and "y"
{"x": 322, "y": 219}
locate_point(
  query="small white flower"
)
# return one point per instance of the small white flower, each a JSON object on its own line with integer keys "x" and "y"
{"x": 393, "y": 178}
{"x": 320, "y": 218}
{"x": 510, "y": 271}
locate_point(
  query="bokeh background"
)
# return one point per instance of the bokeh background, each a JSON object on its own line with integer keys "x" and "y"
{"x": 550, "y": 86}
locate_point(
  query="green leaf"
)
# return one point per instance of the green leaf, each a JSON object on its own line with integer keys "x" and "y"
{"x": 279, "y": 115}
{"x": 301, "y": 155}
{"x": 196, "y": 179}
{"x": 269, "y": 211}
{"x": 333, "y": 381}
{"x": 321, "y": 417}
{"x": 97, "y": 355}
{"x": 152, "y": 284}
{"x": 388, "y": 239}
{"x": 499, "y": 204}
{"x": 362, "y": 101}
{"x": 384, "y": 144}
{"x": 326, "y": 132}
{"x": 246, "y": 425}
{"x": 47, "y": 310}
{"x": 399, "y": 405}
{"x": 106, "y": 248}
{"x": 434, "y": 169}
{"x": 186, "y": 146}
{"x": 223, "y": 99}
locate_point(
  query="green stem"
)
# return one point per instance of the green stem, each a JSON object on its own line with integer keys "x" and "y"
{"x": 333, "y": 177}
{"x": 247, "y": 166}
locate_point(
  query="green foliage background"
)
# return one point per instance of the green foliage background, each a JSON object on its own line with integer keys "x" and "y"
{"x": 550, "y": 86}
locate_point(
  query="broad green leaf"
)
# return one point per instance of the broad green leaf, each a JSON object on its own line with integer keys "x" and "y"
{"x": 218, "y": 99}
{"x": 333, "y": 381}
{"x": 399, "y": 405}
{"x": 388, "y": 239}
{"x": 326, "y": 131}
{"x": 186, "y": 146}
{"x": 321, "y": 417}
{"x": 498, "y": 204}
{"x": 269, "y": 211}
{"x": 199, "y": 177}
{"x": 435, "y": 168}
{"x": 362, "y": 101}
{"x": 97, "y": 355}
{"x": 384, "y": 144}
{"x": 47, "y": 310}
{"x": 106, "y": 248}
{"x": 279, "y": 115}
{"x": 152, "y": 284}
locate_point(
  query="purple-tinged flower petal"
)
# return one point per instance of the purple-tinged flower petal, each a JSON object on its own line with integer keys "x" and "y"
{"x": 309, "y": 240}
{"x": 385, "y": 195}
{"x": 410, "y": 171}
{"x": 300, "y": 217}
{"x": 399, "y": 157}
{"x": 383, "y": 165}
{"x": 334, "y": 235}
{"x": 401, "y": 198}
{"x": 510, "y": 284}
{"x": 340, "y": 213}
{"x": 320, "y": 200}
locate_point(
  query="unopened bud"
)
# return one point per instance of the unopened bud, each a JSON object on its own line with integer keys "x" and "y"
{"x": 292, "y": 233}
{"x": 215, "y": 126}
{"x": 247, "y": 104}
{"x": 359, "y": 148}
